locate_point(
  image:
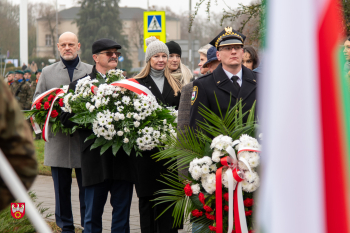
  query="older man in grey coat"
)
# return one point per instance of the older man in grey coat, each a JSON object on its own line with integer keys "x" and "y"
{"x": 62, "y": 152}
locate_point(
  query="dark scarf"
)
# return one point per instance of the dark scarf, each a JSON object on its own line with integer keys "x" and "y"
{"x": 71, "y": 65}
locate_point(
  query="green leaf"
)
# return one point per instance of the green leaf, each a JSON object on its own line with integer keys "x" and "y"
{"x": 92, "y": 136}
{"x": 196, "y": 202}
{"x": 106, "y": 146}
{"x": 75, "y": 128}
{"x": 207, "y": 150}
{"x": 100, "y": 79}
{"x": 28, "y": 113}
{"x": 83, "y": 118}
{"x": 127, "y": 148}
{"x": 116, "y": 145}
{"x": 98, "y": 142}
{"x": 144, "y": 124}
{"x": 52, "y": 120}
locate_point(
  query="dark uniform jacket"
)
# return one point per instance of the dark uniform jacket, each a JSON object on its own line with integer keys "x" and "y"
{"x": 96, "y": 168}
{"x": 217, "y": 83}
{"x": 147, "y": 171}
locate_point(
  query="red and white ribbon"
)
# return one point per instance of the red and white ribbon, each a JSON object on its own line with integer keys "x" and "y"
{"x": 236, "y": 211}
{"x": 38, "y": 100}
{"x": 134, "y": 86}
{"x": 130, "y": 84}
{"x": 35, "y": 125}
{"x": 46, "y": 125}
{"x": 239, "y": 211}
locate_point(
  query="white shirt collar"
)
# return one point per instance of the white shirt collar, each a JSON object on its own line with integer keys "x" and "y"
{"x": 102, "y": 75}
{"x": 239, "y": 75}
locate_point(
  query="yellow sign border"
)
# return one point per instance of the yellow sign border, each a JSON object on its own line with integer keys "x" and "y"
{"x": 160, "y": 35}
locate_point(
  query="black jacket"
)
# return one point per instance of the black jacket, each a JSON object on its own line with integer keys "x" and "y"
{"x": 146, "y": 170}
{"x": 96, "y": 168}
{"x": 217, "y": 83}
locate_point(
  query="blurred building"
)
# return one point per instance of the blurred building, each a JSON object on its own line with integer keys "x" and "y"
{"x": 131, "y": 17}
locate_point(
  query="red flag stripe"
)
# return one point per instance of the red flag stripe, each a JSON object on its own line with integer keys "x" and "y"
{"x": 331, "y": 121}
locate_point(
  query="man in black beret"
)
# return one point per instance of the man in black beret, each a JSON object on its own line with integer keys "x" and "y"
{"x": 229, "y": 80}
{"x": 103, "y": 173}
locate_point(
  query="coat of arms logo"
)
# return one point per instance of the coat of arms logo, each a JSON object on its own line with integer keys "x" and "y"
{"x": 17, "y": 210}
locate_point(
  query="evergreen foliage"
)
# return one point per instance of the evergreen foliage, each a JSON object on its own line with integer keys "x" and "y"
{"x": 100, "y": 19}
{"x": 190, "y": 144}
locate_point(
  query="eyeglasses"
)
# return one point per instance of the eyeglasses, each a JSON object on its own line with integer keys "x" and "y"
{"x": 229, "y": 48}
{"x": 110, "y": 54}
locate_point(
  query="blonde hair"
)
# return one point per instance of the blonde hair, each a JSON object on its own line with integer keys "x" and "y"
{"x": 204, "y": 49}
{"x": 173, "y": 82}
{"x": 186, "y": 74}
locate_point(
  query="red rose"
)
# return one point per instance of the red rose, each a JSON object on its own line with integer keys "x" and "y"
{"x": 46, "y": 105}
{"x": 58, "y": 91}
{"x": 188, "y": 190}
{"x": 197, "y": 213}
{"x": 251, "y": 231}
{"x": 54, "y": 114}
{"x": 226, "y": 208}
{"x": 207, "y": 208}
{"x": 201, "y": 198}
{"x": 209, "y": 216}
{"x": 248, "y": 202}
{"x": 212, "y": 228}
{"x": 50, "y": 98}
{"x": 60, "y": 102}
{"x": 226, "y": 196}
{"x": 248, "y": 212}
{"x": 38, "y": 106}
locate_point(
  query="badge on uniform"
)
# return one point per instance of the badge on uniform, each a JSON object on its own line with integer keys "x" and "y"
{"x": 194, "y": 94}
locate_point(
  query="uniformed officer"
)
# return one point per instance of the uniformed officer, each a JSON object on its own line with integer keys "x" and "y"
{"x": 27, "y": 75}
{"x": 10, "y": 77}
{"x": 229, "y": 80}
{"x": 22, "y": 91}
{"x": 33, "y": 84}
{"x": 16, "y": 144}
{"x": 32, "y": 88}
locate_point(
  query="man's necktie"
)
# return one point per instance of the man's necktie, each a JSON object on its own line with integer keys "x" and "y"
{"x": 234, "y": 80}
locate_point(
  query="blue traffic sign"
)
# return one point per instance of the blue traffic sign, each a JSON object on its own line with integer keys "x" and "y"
{"x": 154, "y": 23}
{"x": 121, "y": 59}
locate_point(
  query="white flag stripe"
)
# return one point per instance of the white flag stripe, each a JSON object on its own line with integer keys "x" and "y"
{"x": 291, "y": 194}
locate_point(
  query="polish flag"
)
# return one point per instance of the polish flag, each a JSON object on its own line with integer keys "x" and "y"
{"x": 305, "y": 117}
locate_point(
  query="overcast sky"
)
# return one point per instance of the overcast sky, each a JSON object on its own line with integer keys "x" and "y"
{"x": 177, "y": 6}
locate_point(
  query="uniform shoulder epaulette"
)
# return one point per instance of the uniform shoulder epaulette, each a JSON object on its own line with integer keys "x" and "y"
{"x": 204, "y": 76}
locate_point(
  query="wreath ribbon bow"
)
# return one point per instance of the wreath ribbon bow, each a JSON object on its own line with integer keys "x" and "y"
{"x": 35, "y": 126}
{"x": 233, "y": 172}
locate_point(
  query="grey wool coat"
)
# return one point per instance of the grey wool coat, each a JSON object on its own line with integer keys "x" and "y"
{"x": 183, "y": 119}
{"x": 62, "y": 150}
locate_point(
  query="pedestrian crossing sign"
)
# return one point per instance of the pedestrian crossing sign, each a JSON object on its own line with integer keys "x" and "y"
{"x": 154, "y": 25}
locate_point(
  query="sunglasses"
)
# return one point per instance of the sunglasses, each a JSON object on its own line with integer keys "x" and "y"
{"x": 110, "y": 54}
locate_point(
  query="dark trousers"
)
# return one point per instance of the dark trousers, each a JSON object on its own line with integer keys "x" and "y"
{"x": 148, "y": 214}
{"x": 62, "y": 180}
{"x": 96, "y": 197}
